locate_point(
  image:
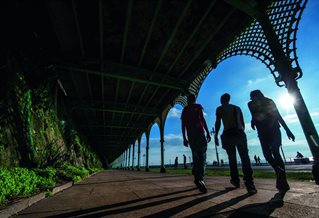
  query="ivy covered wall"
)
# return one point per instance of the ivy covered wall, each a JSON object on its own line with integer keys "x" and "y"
{"x": 31, "y": 132}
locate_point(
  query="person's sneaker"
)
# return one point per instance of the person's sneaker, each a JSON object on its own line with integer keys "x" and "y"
{"x": 251, "y": 190}
{"x": 201, "y": 186}
{"x": 235, "y": 184}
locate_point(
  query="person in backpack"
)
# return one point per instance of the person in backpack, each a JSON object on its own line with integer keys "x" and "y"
{"x": 233, "y": 137}
{"x": 267, "y": 119}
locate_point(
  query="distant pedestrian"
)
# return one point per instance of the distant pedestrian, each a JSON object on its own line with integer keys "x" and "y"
{"x": 267, "y": 119}
{"x": 176, "y": 163}
{"x": 185, "y": 165}
{"x": 194, "y": 123}
{"x": 256, "y": 160}
{"x": 234, "y": 137}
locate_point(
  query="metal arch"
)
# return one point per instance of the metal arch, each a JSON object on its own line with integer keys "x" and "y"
{"x": 196, "y": 84}
{"x": 284, "y": 15}
{"x": 181, "y": 100}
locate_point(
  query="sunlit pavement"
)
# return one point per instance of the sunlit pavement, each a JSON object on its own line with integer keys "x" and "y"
{"x": 140, "y": 194}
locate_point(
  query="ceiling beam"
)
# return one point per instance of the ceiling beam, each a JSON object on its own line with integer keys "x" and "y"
{"x": 248, "y": 7}
{"x": 150, "y": 31}
{"x": 127, "y": 24}
{"x": 101, "y": 29}
{"x": 145, "y": 113}
{"x": 78, "y": 29}
{"x": 167, "y": 83}
{"x": 204, "y": 46}
{"x": 191, "y": 36}
{"x": 111, "y": 105}
{"x": 173, "y": 34}
{"x": 135, "y": 126}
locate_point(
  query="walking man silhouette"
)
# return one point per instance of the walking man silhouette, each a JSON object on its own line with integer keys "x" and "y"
{"x": 234, "y": 137}
{"x": 267, "y": 119}
{"x": 194, "y": 123}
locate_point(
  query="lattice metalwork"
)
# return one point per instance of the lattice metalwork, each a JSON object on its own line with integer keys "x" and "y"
{"x": 284, "y": 15}
{"x": 196, "y": 84}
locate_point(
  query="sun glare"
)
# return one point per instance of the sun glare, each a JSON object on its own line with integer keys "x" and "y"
{"x": 286, "y": 101}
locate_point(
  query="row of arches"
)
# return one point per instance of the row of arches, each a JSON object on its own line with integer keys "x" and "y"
{"x": 272, "y": 40}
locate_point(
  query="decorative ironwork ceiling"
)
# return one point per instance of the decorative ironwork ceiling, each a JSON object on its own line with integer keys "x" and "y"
{"x": 284, "y": 16}
{"x": 120, "y": 64}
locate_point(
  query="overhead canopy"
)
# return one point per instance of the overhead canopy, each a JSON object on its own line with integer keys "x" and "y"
{"x": 122, "y": 62}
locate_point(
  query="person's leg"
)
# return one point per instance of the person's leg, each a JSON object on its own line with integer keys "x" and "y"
{"x": 275, "y": 146}
{"x": 246, "y": 165}
{"x": 231, "y": 152}
{"x": 268, "y": 154}
{"x": 195, "y": 163}
{"x": 202, "y": 145}
{"x": 199, "y": 160}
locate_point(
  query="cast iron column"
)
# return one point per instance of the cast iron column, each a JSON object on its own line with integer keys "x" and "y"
{"x": 138, "y": 154}
{"x": 162, "y": 148}
{"x": 284, "y": 67}
{"x": 129, "y": 157}
{"x": 147, "y": 151}
{"x": 133, "y": 156}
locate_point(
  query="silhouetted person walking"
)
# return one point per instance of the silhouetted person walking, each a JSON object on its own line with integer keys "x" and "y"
{"x": 185, "y": 165}
{"x": 256, "y": 160}
{"x": 176, "y": 163}
{"x": 267, "y": 119}
{"x": 234, "y": 137}
{"x": 194, "y": 123}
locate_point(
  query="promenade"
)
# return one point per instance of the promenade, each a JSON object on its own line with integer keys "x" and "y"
{"x": 113, "y": 193}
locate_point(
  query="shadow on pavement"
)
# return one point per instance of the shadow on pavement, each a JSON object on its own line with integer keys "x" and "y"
{"x": 260, "y": 209}
{"x": 96, "y": 209}
{"x": 177, "y": 209}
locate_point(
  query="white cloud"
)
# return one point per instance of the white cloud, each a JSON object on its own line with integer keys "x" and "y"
{"x": 174, "y": 113}
{"x": 258, "y": 80}
{"x": 288, "y": 142}
{"x": 293, "y": 118}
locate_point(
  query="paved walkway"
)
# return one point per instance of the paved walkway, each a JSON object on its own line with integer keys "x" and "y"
{"x": 140, "y": 194}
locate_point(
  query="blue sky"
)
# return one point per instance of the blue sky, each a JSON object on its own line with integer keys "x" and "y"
{"x": 238, "y": 76}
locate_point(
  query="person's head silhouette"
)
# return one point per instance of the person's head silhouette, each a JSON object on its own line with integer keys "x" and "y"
{"x": 225, "y": 98}
{"x": 256, "y": 94}
{"x": 191, "y": 99}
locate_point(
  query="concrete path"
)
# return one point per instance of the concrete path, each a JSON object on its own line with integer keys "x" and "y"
{"x": 140, "y": 194}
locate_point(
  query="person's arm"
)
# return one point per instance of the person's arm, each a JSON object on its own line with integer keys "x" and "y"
{"x": 217, "y": 127}
{"x": 284, "y": 125}
{"x": 242, "y": 118}
{"x": 252, "y": 122}
{"x": 205, "y": 126}
{"x": 185, "y": 141}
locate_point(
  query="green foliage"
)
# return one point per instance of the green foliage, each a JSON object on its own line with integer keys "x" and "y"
{"x": 22, "y": 182}
{"x": 73, "y": 173}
